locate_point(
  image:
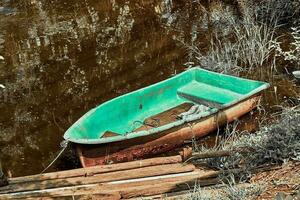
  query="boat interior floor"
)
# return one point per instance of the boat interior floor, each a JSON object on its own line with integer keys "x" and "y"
{"x": 165, "y": 117}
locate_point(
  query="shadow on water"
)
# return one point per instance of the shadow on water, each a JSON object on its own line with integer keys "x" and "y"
{"x": 62, "y": 58}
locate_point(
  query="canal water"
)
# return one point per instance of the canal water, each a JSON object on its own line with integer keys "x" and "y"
{"x": 60, "y": 58}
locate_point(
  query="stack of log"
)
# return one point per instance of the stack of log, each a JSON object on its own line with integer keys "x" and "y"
{"x": 116, "y": 181}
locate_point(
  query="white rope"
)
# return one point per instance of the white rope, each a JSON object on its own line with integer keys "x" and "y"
{"x": 194, "y": 110}
{"x": 63, "y": 145}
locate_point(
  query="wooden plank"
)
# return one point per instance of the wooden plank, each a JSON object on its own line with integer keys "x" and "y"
{"x": 99, "y": 196}
{"x": 163, "y": 187}
{"x": 133, "y": 187}
{"x": 165, "y": 117}
{"x": 112, "y": 196}
{"x": 55, "y": 192}
{"x": 219, "y": 153}
{"x": 101, "y": 178}
{"x": 212, "y": 154}
{"x": 136, "y": 187}
{"x": 90, "y": 171}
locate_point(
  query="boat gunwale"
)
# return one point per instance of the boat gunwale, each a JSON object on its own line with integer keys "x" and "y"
{"x": 143, "y": 133}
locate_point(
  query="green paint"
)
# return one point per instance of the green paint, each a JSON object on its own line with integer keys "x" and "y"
{"x": 123, "y": 114}
{"x": 208, "y": 92}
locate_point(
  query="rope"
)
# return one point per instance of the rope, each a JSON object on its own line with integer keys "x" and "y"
{"x": 195, "y": 110}
{"x": 63, "y": 145}
{"x": 148, "y": 124}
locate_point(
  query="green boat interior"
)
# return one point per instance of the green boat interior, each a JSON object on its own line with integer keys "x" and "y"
{"x": 185, "y": 97}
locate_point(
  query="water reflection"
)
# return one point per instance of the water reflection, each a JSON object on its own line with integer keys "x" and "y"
{"x": 64, "y": 57}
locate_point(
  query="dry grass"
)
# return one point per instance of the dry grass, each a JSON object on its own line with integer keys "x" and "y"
{"x": 286, "y": 11}
{"x": 274, "y": 144}
{"x": 252, "y": 48}
{"x": 228, "y": 191}
{"x": 248, "y": 46}
{"x": 278, "y": 144}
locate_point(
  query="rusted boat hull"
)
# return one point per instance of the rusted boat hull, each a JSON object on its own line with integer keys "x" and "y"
{"x": 142, "y": 147}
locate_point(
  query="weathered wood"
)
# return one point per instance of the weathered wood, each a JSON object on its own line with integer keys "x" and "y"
{"x": 56, "y": 192}
{"x": 90, "y": 171}
{"x": 164, "y": 187}
{"x": 98, "y": 196}
{"x": 101, "y": 178}
{"x": 211, "y": 154}
{"x": 112, "y": 196}
{"x": 219, "y": 153}
{"x": 214, "y": 154}
{"x": 239, "y": 170}
{"x": 154, "y": 187}
{"x": 126, "y": 188}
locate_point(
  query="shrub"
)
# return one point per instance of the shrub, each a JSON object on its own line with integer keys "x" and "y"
{"x": 250, "y": 44}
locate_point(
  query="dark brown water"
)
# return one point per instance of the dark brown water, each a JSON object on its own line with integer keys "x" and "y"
{"x": 64, "y": 57}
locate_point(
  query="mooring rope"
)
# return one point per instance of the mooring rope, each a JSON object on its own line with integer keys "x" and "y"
{"x": 193, "y": 111}
{"x": 63, "y": 145}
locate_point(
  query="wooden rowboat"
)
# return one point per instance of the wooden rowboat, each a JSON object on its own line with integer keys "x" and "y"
{"x": 162, "y": 116}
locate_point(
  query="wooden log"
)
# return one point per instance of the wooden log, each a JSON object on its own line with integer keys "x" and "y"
{"x": 219, "y": 153}
{"x": 211, "y": 154}
{"x": 125, "y": 188}
{"x": 167, "y": 185}
{"x": 98, "y": 196}
{"x": 161, "y": 188}
{"x": 101, "y": 178}
{"x": 214, "y": 154}
{"x": 90, "y": 171}
{"x": 129, "y": 187}
{"x": 56, "y": 192}
{"x": 112, "y": 196}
